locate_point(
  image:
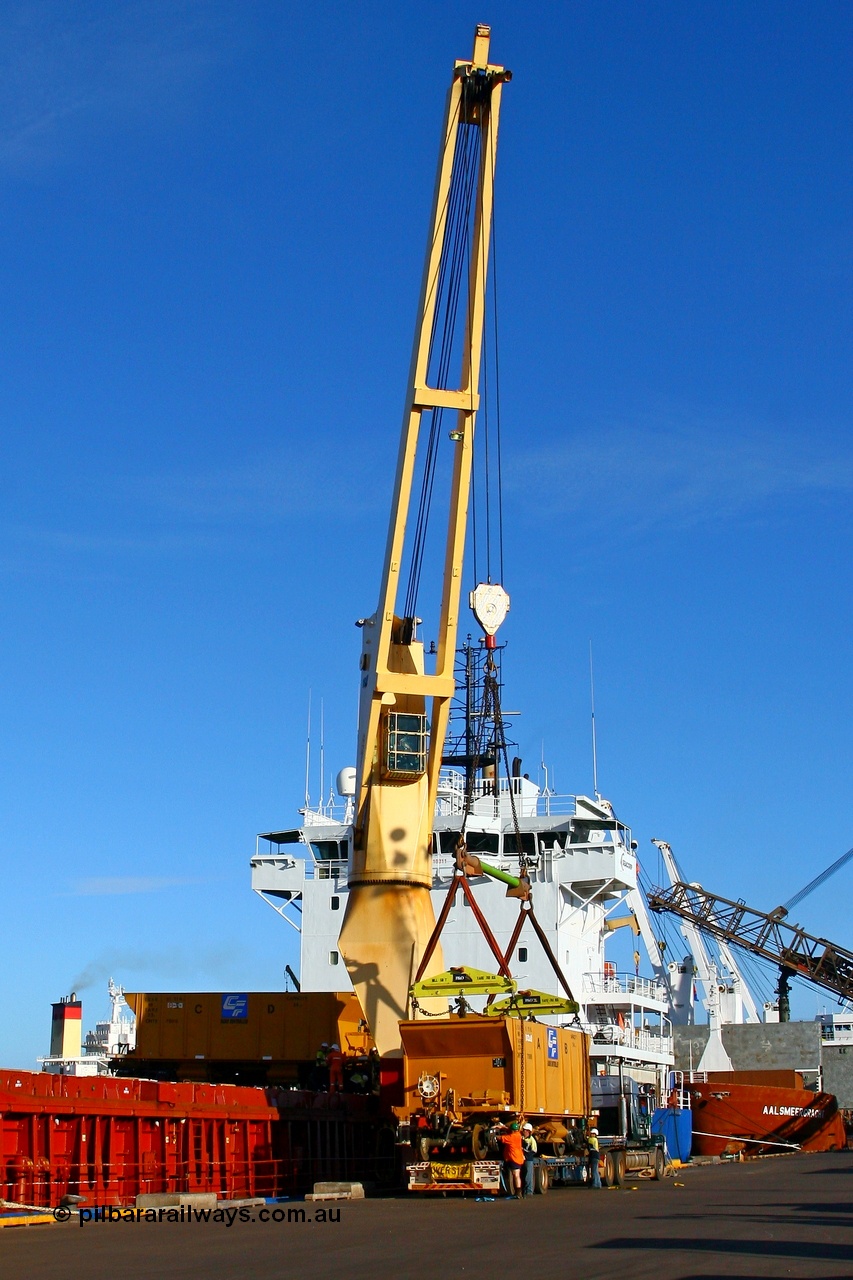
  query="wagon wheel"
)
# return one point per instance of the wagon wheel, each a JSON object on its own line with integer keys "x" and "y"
{"x": 480, "y": 1141}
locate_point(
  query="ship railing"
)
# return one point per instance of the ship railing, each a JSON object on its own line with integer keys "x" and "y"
{"x": 489, "y": 802}
{"x": 642, "y": 1038}
{"x": 332, "y": 812}
{"x": 623, "y": 984}
{"x": 655, "y": 1041}
{"x": 678, "y": 1095}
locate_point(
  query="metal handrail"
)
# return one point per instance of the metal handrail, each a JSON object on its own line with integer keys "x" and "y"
{"x": 623, "y": 984}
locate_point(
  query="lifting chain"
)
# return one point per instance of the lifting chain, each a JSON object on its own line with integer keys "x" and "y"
{"x": 425, "y": 1013}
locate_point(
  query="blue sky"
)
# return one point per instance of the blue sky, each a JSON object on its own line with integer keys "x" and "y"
{"x": 213, "y": 220}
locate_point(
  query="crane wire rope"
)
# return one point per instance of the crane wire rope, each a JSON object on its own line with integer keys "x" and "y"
{"x": 450, "y": 238}
{"x": 494, "y": 277}
{"x": 454, "y": 258}
{"x": 487, "y": 498}
{"x": 454, "y": 266}
{"x": 818, "y": 880}
{"x": 492, "y": 453}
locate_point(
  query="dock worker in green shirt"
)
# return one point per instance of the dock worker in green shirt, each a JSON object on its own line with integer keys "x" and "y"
{"x": 593, "y": 1158}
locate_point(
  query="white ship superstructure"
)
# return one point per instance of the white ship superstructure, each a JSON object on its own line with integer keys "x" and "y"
{"x": 582, "y": 867}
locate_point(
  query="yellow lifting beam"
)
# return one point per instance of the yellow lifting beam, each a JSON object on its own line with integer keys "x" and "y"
{"x": 527, "y": 1004}
{"x": 463, "y": 980}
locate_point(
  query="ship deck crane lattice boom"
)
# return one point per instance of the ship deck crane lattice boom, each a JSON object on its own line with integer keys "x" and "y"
{"x": 764, "y": 934}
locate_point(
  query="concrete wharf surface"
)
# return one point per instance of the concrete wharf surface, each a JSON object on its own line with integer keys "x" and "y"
{"x": 790, "y": 1216}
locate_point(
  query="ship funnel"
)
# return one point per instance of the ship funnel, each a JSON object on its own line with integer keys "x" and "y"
{"x": 66, "y": 1035}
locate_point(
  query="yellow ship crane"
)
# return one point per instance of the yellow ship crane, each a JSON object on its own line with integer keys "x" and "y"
{"x": 403, "y": 707}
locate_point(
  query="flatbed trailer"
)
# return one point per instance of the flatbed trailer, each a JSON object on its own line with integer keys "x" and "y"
{"x": 559, "y": 1171}
{"x": 441, "y": 1177}
{"x": 484, "y": 1176}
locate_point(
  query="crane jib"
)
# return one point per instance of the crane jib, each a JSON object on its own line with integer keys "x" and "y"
{"x": 765, "y": 934}
{"x": 404, "y": 708}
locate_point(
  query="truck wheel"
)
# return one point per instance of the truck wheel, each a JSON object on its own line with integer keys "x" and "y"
{"x": 619, "y": 1167}
{"x": 541, "y": 1181}
{"x": 609, "y": 1170}
{"x": 660, "y": 1164}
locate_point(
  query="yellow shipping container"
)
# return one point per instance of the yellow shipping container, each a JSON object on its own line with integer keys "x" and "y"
{"x": 249, "y": 1026}
{"x": 499, "y": 1064}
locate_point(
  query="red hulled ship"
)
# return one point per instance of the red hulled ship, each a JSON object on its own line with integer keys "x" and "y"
{"x": 762, "y": 1112}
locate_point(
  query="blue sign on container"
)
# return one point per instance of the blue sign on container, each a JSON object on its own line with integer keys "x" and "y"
{"x": 235, "y": 1006}
{"x": 553, "y": 1047}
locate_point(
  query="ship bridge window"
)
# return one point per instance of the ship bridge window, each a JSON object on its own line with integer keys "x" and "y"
{"x": 483, "y": 842}
{"x": 327, "y": 851}
{"x": 589, "y": 833}
{"x": 477, "y": 841}
{"x": 528, "y": 844}
{"x": 553, "y": 839}
{"x": 336, "y": 902}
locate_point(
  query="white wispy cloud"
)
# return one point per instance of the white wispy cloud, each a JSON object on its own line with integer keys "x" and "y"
{"x": 680, "y": 475}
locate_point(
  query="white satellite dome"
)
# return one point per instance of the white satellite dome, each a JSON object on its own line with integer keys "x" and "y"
{"x": 345, "y": 782}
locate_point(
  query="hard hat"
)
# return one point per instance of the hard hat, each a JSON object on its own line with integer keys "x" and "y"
{"x": 527, "y": 1125}
{"x": 336, "y": 1046}
{"x": 594, "y": 1131}
{"x": 324, "y": 1045}
{"x": 514, "y": 1128}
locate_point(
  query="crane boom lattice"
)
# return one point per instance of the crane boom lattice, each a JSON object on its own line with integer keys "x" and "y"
{"x": 765, "y": 934}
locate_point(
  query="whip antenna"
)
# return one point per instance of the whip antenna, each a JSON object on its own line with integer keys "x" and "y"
{"x": 592, "y": 710}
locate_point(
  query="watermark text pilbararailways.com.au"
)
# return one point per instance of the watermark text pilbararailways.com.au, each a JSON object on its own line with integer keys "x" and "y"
{"x": 225, "y": 1216}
